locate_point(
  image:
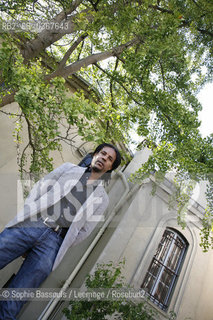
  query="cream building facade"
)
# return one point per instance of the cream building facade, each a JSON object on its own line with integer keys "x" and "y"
{"x": 162, "y": 259}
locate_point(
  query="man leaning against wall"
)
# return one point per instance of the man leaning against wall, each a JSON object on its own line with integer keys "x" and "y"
{"x": 61, "y": 210}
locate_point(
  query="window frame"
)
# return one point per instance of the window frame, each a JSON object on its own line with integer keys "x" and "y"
{"x": 163, "y": 303}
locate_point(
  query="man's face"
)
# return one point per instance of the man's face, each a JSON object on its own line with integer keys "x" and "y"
{"x": 103, "y": 160}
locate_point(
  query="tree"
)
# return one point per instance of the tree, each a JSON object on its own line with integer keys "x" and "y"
{"x": 147, "y": 59}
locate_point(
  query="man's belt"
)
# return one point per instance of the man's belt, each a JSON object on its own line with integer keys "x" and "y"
{"x": 55, "y": 227}
{"x": 51, "y": 224}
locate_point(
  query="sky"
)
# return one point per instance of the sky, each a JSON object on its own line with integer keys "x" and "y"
{"x": 205, "y": 97}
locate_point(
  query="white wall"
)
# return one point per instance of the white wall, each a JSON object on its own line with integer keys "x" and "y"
{"x": 134, "y": 235}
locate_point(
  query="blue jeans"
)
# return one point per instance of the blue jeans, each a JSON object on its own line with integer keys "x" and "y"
{"x": 42, "y": 244}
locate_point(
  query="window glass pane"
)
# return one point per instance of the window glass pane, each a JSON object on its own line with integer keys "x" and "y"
{"x": 166, "y": 277}
{"x": 173, "y": 257}
{"x": 164, "y": 268}
{"x": 155, "y": 267}
{"x": 148, "y": 282}
{"x": 151, "y": 275}
{"x": 163, "y": 246}
{"x": 161, "y": 292}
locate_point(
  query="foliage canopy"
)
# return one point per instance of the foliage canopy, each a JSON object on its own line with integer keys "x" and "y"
{"x": 143, "y": 62}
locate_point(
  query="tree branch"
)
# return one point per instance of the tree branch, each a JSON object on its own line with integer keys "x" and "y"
{"x": 184, "y": 22}
{"x": 111, "y": 85}
{"x": 9, "y": 98}
{"x": 47, "y": 37}
{"x": 161, "y": 9}
{"x": 121, "y": 84}
{"x": 94, "y": 58}
{"x": 70, "y": 50}
{"x": 11, "y": 114}
{"x": 162, "y": 73}
{"x": 209, "y": 33}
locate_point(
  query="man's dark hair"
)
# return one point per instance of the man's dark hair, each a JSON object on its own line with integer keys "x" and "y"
{"x": 117, "y": 161}
{"x": 86, "y": 161}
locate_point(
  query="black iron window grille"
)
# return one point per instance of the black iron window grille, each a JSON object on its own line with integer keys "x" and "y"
{"x": 164, "y": 270}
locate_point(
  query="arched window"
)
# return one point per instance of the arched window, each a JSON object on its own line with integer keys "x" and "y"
{"x": 163, "y": 272}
